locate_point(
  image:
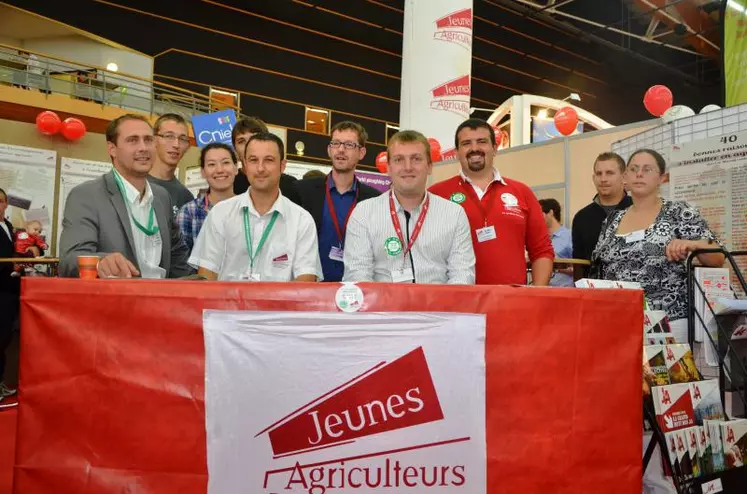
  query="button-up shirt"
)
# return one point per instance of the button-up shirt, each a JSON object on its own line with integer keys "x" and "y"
{"x": 191, "y": 217}
{"x": 147, "y": 247}
{"x": 480, "y": 192}
{"x": 563, "y": 247}
{"x": 442, "y": 252}
{"x": 289, "y": 251}
{"x": 328, "y": 238}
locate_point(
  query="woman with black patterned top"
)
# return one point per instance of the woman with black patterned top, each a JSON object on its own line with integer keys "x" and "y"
{"x": 648, "y": 241}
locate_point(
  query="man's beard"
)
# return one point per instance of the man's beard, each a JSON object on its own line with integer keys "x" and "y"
{"x": 476, "y": 166}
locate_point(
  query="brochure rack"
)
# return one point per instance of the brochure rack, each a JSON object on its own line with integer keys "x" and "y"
{"x": 732, "y": 377}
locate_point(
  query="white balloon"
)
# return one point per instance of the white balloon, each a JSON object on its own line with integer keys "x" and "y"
{"x": 708, "y": 108}
{"x": 676, "y": 112}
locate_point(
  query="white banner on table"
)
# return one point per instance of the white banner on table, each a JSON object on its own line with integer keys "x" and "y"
{"x": 74, "y": 172}
{"x": 436, "y": 68}
{"x": 28, "y": 176}
{"x": 311, "y": 402}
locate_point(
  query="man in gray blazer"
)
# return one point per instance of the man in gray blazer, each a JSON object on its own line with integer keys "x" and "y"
{"x": 120, "y": 217}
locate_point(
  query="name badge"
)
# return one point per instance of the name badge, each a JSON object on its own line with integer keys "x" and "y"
{"x": 336, "y": 254}
{"x": 485, "y": 234}
{"x": 155, "y": 239}
{"x": 635, "y": 236}
{"x": 251, "y": 277}
{"x": 403, "y": 275}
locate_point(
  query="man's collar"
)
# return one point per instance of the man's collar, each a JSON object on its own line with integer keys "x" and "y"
{"x": 496, "y": 177}
{"x": 278, "y": 205}
{"x": 331, "y": 183}
{"x": 132, "y": 194}
{"x": 398, "y": 207}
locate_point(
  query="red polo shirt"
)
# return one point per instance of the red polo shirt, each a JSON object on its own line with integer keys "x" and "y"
{"x": 514, "y": 211}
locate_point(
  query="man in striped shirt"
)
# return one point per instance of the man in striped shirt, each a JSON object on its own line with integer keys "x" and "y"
{"x": 409, "y": 235}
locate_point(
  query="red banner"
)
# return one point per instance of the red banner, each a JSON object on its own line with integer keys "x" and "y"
{"x": 112, "y": 381}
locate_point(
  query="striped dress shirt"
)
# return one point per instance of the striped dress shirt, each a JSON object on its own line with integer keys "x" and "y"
{"x": 441, "y": 254}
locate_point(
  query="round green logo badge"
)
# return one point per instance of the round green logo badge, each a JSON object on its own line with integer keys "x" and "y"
{"x": 458, "y": 197}
{"x": 393, "y": 246}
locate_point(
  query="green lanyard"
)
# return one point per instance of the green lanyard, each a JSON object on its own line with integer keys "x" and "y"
{"x": 248, "y": 235}
{"x": 149, "y": 230}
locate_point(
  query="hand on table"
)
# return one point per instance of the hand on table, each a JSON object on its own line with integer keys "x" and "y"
{"x": 116, "y": 266}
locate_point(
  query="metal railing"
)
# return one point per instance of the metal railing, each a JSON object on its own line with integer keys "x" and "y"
{"x": 89, "y": 83}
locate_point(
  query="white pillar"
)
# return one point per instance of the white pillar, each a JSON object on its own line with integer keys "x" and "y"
{"x": 436, "y": 68}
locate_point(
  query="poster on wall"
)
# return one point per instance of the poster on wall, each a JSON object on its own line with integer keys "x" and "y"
{"x": 375, "y": 180}
{"x": 74, "y": 172}
{"x": 28, "y": 176}
{"x": 194, "y": 181}
{"x": 711, "y": 174}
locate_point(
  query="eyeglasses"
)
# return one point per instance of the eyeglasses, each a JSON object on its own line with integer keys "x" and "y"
{"x": 183, "y": 140}
{"x": 646, "y": 169}
{"x": 348, "y": 144}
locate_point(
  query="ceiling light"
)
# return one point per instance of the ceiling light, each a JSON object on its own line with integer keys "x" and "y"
{"x": 572, "y": 97}
{"x": 311, "y": 121}
{"x": 542, "y": 114}
{"x": 112, "y": 67}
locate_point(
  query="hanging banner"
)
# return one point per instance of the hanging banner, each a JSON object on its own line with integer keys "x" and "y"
{"x": 436, "y": 69}
{"x": 443, "y": 389}
{"x": 735, "y": 51}
{"x": 396, "y": 400}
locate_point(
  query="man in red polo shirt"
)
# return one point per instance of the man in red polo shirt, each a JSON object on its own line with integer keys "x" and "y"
{"x": 504, "y": 215}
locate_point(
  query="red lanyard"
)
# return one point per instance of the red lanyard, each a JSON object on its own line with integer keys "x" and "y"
{"x": 333, "y": 213}
{"x": 473, "y": 197}
{"x": 398, "y": 226}
{"x": 207, "y": 207}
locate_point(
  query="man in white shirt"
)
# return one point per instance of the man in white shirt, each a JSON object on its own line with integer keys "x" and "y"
{"x": 409, "y": 235}
{"x": 120, "y": 217}
{"x": 259, "y": 235}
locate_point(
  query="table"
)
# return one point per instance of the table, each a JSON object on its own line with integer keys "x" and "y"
{"x": 51, "y": 261}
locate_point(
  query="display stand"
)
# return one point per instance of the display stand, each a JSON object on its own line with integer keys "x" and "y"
{"x": 732, "y": 376}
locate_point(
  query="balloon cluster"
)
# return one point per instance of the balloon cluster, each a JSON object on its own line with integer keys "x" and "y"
{"x": 382, "y": 163}
{"x": 49, "y": 123}
{"x": 658, "y": 101}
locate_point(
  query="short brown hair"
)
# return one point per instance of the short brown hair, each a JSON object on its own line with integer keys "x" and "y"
{"x": 609, "y": 156}
{"x": 409, "y": 136}
{"x": 252, "y": 125}
{"x": 551, "y": 205}
{"x": 112, "y": 130}
{"x": 169, "y": 117}
{"x": 349, "y": 125}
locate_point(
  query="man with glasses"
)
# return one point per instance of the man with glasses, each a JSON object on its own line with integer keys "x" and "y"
{"x": 330, "y": 199}
{"x": 172, "y": 141}
{"x": 120, "y": 217}
{"x": 409, "y": 235}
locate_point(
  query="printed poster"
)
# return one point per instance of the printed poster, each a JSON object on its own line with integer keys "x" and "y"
{"x": 313, "y": 402}
{"x": 28, "y": 176}
{"x": 74, "y": 172}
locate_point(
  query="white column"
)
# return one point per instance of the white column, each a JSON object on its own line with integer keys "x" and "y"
{"x": 436, "y": 68}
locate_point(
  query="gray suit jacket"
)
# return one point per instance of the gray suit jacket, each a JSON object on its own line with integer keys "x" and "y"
{"x": 96, "y": 222}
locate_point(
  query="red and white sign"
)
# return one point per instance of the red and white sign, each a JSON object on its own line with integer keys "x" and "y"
{"x": 436, "y": 68}
{"x": 336, "y": 402}
{"x": 455, "y": 28}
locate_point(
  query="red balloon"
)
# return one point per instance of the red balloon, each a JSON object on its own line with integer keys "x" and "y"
{"x": 566, "y": 120}
{"x": 48, "y": 123}
{"x": 657, "y": 100}
{"x": 73, "y": 129}
{"x": 435, "y": 149}
{"x": 382, "y": 163}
